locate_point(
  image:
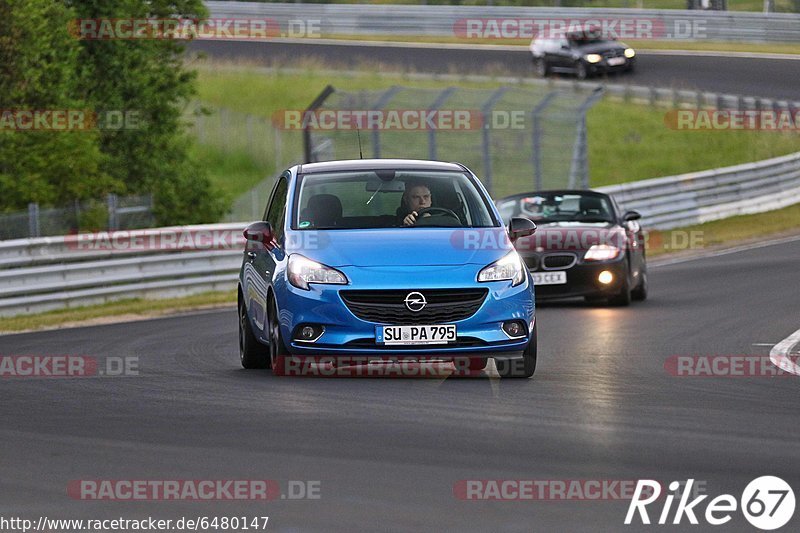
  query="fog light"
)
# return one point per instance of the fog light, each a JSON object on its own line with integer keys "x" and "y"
{"x": 308, "y": 332}
{"x": 514, "y": 329}
{"x": 605, "y": 277}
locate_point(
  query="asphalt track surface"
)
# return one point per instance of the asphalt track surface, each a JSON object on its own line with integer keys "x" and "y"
{"x": 748, "y": 76}
{"x": 388, "y": 451}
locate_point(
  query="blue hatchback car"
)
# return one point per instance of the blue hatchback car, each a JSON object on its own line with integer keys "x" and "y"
{"x": 385, "y": 259}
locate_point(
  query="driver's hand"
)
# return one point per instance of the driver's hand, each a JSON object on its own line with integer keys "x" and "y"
{"x": 411, "y": 219}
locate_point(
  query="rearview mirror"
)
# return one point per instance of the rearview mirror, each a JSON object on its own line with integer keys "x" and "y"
{"x": 631, "y": 215}
{"x": 520, "y": 227}
{"x": 258, "y": 232}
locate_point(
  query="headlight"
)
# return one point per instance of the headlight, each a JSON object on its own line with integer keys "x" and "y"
{"x": 509, "y": 267}
{"x": 630, "y": 52}
{"x": 593, "y": 58}
{"x": 302, "y": 271}
{"x": 602, "y": 252}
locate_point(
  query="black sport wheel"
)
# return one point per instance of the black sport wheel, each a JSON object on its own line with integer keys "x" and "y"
{"x": 277, "y": 350}
{"x": 623, "y": 298}
{"x": 252, "y": 353}
{"x": 581, "y": 71}
{"x": 520, "y": 368}
{"x": 542, "y": 69}
{"x": 640, "y": 292}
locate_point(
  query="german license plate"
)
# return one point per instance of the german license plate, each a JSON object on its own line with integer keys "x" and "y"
{"x": 615, "y": 61}
{"x": 415, "y": 334}
{"x": 549, "y": 278}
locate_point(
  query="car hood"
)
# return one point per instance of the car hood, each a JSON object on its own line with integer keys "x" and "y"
{"x": 573, "y": 236}
{"x": 598, "y": 48}
{"x": 401, "y": 246}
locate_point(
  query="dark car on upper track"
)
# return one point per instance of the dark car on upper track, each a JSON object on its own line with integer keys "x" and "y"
{"x": 584, "y": 245}
{"x": 581, "y": 54}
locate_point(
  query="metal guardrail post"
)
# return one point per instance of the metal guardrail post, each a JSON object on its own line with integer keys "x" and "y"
{"x": 536, "y": 127}
{"x": 33, "y": 219}
{"x": 444, "y": 95}
{"x": 486, "y": 110}
{"x": 382, "y": 101}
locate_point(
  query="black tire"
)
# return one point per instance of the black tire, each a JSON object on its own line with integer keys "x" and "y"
{"x": 252, "y": 354}
{"x": 640, "y": 292}
{"x": 277, "y": 350}
{"x": 623, "y": 298}
{"x": 542, "y": 69}
{"x": 581, "y": 71}
{"x": 520, "y": 368}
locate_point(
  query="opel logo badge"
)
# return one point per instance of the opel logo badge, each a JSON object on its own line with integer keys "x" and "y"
{"x": 415, "y": 301}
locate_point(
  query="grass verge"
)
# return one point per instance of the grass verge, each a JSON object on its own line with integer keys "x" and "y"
{"x": 118, "y": 311}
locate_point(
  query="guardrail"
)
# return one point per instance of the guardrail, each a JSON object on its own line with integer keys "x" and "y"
{"x": 55, "y": 272}
{"x": 440, "y": 21}
{"x": 698, "y": 197}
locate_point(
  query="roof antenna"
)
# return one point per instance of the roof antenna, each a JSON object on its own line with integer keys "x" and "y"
{"x": 360, "y": 153}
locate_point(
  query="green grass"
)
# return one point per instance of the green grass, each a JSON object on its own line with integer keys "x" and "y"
{"x": 631, "y": 142}
{"x": 131, "y": 308}
{"x": 231, "y": 172}
{"x": 725, "y": 232}
{"x": 627, "y": 142}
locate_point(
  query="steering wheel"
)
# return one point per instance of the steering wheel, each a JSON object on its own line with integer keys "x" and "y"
{"x": 433, "y": 211}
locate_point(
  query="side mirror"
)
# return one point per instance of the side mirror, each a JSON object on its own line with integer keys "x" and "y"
{"x": 631, "y": 215}
{"x": 258, "y": 232}
{"x": 520, "y": 227}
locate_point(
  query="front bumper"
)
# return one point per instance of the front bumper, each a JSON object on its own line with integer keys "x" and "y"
{"x": 582, "y": 280}
{"x": 479, "y": 335}
{"x": 603, "y": 66}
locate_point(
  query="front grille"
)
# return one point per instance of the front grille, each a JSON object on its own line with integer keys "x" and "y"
{"x": 531, "y": 261}
{"x": 559, "y": 261}
{"x": 613, "y": 53}
{"x": 388, "y": 307}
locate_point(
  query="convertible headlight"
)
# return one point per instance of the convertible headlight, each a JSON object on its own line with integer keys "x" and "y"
{"x": 302, "y": 271}
{"x": 509, "y": 267}
{"x": 602, "y": 252}
{"x": 593, "y": 58}
{"x": 630, "y": 52}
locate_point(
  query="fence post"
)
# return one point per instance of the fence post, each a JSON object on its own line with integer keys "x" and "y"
{"x": 486, "y": 148}
{"x": 382, "y": 101}
{"x": 432, "y": 131}
{"x": 111, "y": 203}
{"x": 33, "y": 220}
{"x": 579, "y": 168}
{"x": 536, "y": 119}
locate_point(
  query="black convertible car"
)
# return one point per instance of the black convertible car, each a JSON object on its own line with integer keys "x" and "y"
{"x": 584, "y": 245}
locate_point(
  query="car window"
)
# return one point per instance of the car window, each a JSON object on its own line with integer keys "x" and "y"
{"x": 559, "y": 207}
{"x": 276, "y": 212}
{"x": 380, "y": 199}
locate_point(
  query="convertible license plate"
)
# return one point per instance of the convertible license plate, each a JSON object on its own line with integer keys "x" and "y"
{"x": 549, "y": 278}
{"x": 415, "y": 334}
{"x": 614, "y": 61}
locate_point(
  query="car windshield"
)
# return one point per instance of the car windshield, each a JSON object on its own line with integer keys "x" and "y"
{"x": 383, "y": 198}
{"x": 544, "y": 208}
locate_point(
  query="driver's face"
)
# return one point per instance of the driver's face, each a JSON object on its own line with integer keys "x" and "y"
{"x": 419, "y": 197}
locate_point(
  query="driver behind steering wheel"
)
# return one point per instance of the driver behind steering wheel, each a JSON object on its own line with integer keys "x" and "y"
{"x": 416, "y": 197}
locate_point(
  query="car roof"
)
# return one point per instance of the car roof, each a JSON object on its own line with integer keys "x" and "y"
{"x": 587, "y": 192}
{"x": 378, "y": 164}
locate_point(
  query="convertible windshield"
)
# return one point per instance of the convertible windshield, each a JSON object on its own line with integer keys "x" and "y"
{"x": 386, "y": 198}
{"x": 554, "y": 207}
